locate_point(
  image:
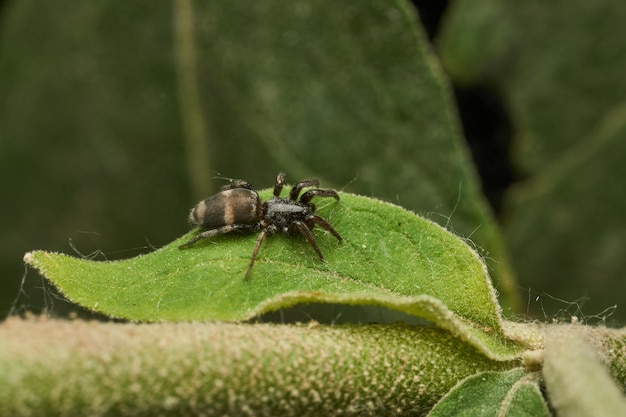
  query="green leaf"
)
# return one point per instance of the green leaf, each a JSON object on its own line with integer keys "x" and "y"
{"x": 509, "y": 393}
{"x": 389, "y": 257}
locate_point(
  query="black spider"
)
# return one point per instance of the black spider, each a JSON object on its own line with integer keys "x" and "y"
{"x": 238, "y": 207}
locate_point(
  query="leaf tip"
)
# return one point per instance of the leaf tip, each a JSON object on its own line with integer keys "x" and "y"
{"x": 33, "y": 258}
{"x": 29, "y": 258}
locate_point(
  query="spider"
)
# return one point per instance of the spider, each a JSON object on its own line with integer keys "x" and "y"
{"x": 238, "y": 207}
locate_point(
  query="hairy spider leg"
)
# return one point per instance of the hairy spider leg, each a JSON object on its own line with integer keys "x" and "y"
{"x": 306, "y": 197}
{"x": 268, "y": 231}
{"x": 295, "y": 190}
{"x": 315, "y": 219}
{"x": 304, "y": 230}
{"x": 220, "y": 231}
{"x": 278, "y": 186}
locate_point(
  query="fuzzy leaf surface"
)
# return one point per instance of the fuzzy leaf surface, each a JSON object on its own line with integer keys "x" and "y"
{"x": 509, "y": 393}
{"x": 577, "y": 379}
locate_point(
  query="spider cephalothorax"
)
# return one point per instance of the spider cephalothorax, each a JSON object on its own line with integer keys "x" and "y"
{"x": 238, "y": 207}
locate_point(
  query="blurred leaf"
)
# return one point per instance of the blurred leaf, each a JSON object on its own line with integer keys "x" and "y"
{"x": 559, "y": 66}
{"x": 89, "y": 128}
{"x": 345, "y": 92}
{"x": 568, "y": 228}
{"x": 577, "y": 381}
{"x": 508, "y": 393}
{"x": 389, "y": 257}
{"x": 469, "y": 51}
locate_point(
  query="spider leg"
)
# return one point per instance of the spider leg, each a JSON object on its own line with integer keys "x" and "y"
{"x": 304, "y": 230}
{"x": 219, "y": 231}
{"x": 315, "y": 219}
{"x": 306, "y": 197}
{"x": 268, "y": 231}
{"x": 278, "y": 187}
{"x": 295, "y": 190}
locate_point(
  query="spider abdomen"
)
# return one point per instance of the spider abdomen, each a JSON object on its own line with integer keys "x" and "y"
{"x": 236, "y": 206}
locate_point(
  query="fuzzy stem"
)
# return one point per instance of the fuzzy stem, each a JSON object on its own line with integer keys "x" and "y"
{"x": 53, "y": 367}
